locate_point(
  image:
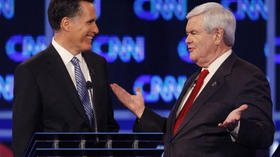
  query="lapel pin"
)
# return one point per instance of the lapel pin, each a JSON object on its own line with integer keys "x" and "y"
{"x": 214, "y": 84}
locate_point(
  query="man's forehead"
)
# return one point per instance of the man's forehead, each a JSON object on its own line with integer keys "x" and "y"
{"x": 88, "y": 9}
{"x": 194, "y": 22}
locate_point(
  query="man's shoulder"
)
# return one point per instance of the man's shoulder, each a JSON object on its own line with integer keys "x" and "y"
{"x": 94, "y": 56}
{"x": 246, "y": 66}
{"x": 37, "y": 59}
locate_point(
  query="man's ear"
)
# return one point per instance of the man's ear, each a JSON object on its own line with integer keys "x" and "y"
{"x": 66, "y": 24}
{"x": 219, "y": 35}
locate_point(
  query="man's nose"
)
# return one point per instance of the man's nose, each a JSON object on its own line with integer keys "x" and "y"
{"x": 95, "y": 29}
{"x": 188, "y": 40}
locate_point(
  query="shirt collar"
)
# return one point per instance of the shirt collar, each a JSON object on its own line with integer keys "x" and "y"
{"x": 213, "y": 67}
{"x": 65, "y": 54}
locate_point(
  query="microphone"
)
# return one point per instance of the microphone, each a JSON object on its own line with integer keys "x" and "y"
{"x": 89, "y": 86}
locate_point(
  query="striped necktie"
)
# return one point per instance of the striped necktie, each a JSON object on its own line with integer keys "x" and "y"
{"x": 82, "y": 89}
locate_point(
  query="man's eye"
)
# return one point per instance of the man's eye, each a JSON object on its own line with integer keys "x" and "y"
{"x": 90, "y": 22}
{"x": 193, "y": 33}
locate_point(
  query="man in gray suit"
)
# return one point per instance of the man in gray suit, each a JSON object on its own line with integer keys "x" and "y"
{"x": 224, "y": 109}
{"x": 64, "y": 88}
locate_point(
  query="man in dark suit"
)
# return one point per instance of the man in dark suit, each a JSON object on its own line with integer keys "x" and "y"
{"x": 64, "y": 88}
{"x": 225, "y": 108}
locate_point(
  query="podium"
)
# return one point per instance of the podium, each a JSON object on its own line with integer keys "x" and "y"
{"x": 95, "y": 144}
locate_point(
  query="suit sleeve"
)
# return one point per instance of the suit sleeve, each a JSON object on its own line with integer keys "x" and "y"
{"x": 256, "y": 125}
{"x": 26, "y": 107}
{"x": 150, "y": 122}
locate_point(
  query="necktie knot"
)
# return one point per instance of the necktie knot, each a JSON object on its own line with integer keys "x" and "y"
{"x": 75, "y": 61}
{"x": 202, "y": 75}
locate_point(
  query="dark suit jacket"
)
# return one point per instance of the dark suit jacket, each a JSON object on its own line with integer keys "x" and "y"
{"x": 236, "y": 82}
{"x": 46, "y": 100}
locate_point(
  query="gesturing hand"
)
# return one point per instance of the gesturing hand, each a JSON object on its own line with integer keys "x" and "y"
{"x": 135, "y": 103}
{"x": 233, "y": 118}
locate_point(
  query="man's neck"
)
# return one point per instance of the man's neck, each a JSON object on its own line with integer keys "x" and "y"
{"x": 61, "y": 39}
{"x": 219, "y": 52}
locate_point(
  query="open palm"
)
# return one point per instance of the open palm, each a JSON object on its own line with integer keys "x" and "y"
{"x": 135, "y": 103}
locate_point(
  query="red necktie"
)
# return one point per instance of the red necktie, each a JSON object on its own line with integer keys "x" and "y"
{"x": 190, "y": 100}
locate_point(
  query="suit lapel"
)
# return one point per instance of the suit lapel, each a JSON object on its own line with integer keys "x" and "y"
{"x": 59, "y": 72}
{"x": 93, "y": 67}
{"x": 212, "y": 86}
{"x": 187, "y": 85}
{"x": 90, "y": 64}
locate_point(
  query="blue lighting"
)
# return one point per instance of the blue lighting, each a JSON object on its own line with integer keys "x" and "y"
{"x": 125, "y": 49}
{"x": 97, "y": 5}
{"x": 252, "y": 8}
{"x": 165, "y": 8}
{"x": 277, "y": 55}
{"x": 7, "y": 87}
{"x": 7, "y": 7}
{"x": 27, "y": 44}
{"x": 167, "y": 89}
{"x": 183, "y": 51}
{"x": 6, "y": 127}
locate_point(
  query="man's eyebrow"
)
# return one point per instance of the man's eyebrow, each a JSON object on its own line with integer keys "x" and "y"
{"x": 192, "y": 31}
{"x": 91, "y": 20}
{"x": 189, "y": 31}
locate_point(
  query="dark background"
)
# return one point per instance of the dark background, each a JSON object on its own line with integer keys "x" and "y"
{"x": 118, "y": 18}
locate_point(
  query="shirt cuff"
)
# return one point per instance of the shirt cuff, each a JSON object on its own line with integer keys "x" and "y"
{"x": 234, "y": 132}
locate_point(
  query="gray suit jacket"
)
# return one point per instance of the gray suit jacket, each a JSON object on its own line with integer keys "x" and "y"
{"x": 236, "y": 82}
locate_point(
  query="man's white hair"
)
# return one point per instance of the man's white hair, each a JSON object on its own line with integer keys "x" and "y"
{"x": 216, "y": 16}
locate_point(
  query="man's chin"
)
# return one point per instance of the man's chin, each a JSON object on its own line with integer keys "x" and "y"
{"x": 87, "y": 48}
{"x": 192, "y": 58}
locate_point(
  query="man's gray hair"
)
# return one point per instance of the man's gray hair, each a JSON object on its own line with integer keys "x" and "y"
{"x": 216, "y": 16}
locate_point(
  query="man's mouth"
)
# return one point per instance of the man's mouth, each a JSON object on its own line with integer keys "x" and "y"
{"x": 90, "y": 37}
{"x": 190, "y": 49}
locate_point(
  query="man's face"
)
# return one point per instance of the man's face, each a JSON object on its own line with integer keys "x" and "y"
{"x": 83, "y": 28}
{"x": 201, "y": 45}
